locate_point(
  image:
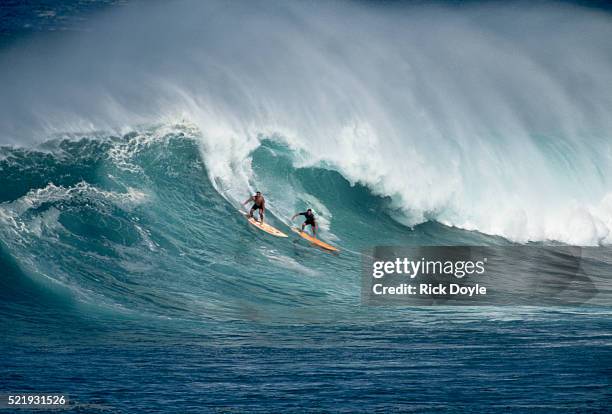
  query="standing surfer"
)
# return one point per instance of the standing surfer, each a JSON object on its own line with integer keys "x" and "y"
{"x": 310, "y": 220}
{"x": 259, "y": 203}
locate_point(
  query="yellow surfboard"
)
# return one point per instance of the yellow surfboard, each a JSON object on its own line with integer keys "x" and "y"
{"x": 314, "y": 241}
{"x": 265, "y": 227}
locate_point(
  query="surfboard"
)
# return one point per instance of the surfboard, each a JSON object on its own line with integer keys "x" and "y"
{"x": 265, "y": 227}
{"x": 314, "y": 241}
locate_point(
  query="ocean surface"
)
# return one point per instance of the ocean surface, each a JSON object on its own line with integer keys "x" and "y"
{"x": 131, "y": 132}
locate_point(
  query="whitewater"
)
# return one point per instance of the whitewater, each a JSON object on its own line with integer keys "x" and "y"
{"x": 483, "y": 117}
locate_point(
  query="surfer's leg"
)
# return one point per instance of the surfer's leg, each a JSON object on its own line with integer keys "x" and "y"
{"x": 251, "y": 212}
{"x": 261, "y": 215}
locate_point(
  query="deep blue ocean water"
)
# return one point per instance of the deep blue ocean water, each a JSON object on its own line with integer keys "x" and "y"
{"x": 130, "y": 282}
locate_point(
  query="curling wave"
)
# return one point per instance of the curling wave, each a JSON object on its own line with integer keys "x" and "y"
{"x": 483, "y": 117}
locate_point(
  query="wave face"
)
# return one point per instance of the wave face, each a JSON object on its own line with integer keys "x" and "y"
{"x": 484, "y": 117}
{"x": 132, "y": 224}
{"x": 398, "y": 125}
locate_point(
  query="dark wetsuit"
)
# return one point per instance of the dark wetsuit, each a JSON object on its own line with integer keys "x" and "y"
{"x": 310, "y": 217}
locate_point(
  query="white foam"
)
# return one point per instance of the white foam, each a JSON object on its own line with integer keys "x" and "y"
{"x": 489, "y": 117}
{"x": 52, "y": 193}
{"x": 289, "y": 263}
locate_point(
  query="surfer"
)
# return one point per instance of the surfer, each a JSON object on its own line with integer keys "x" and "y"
{"x": 310, "y": 220}
{"x": 259, "y": 203}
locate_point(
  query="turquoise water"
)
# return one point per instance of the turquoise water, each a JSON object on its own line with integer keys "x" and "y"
{"x": 130, "y": 283}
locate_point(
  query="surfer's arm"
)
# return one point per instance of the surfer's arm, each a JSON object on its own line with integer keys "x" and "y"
{"x": 248, "y": 199}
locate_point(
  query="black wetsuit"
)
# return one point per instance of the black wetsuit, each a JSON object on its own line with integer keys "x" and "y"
{"x": 310, "y": 217}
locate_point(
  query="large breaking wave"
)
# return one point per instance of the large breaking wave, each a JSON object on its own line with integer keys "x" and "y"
{"x": 485, "y": 117}
{"x": 132, "y": 223}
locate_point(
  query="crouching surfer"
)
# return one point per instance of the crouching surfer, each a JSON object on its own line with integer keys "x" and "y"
{"x": 259, "y": 203}
{"x": 310, "y": 220}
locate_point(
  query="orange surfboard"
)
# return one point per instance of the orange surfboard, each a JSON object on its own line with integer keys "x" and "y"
{"x": 314, "y": 241}
{"x": 265, "y": 227}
